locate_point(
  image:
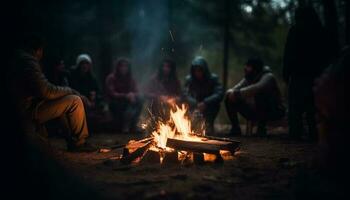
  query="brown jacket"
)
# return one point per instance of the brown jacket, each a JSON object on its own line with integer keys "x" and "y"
{"x": 29, "y": 86}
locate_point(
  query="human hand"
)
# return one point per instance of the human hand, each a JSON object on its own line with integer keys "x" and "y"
{"x": 131, "y": 96}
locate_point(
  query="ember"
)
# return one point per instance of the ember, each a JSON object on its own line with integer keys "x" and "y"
{"x": 176, "y": 141}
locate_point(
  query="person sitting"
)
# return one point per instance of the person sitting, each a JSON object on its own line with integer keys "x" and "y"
{"x": 125, "y": 102}
{"x": 84, "y": 82}
{"x": 256, "y": 97}
{"x": 57, "y": 73}
{"x": 38, "y": 101}
{"x": 164, "y": 88}
{"x": 203, "y": 92}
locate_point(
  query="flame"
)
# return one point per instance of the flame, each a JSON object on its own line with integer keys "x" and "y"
{"x": 181, "y": 129}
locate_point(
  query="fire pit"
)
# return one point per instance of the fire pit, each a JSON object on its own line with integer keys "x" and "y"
{"x": 174, "y": 141}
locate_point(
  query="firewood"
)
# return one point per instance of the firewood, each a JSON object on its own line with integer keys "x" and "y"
{"x": 139, "y": 152}
{"x": 170, "y": 158}
{"x": 207, "y": 146}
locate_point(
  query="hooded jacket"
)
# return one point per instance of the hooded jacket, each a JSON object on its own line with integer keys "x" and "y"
{"x": 209, "y": 90}
{"x": 83, "y": 83}
{"x": 29, "y": 86}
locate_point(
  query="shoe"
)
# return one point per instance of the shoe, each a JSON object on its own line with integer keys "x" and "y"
{"x": 84, "y": 148}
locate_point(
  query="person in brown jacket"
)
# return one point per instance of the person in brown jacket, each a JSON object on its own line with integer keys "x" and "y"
{"x": 163, "y": 89}
{"x": 39, "y": 101}
{"x": 125, "y": 103}
{"x": 256, "y": 97}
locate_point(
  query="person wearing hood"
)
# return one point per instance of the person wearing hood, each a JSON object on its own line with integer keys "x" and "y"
{"x": 256, "y": 97}
{"x": 163, "y": 89}
{"x": 125, "y": 102}
{"x": 84, "y": 81}
{"x": 39, "y": 101}
{"x": 203, "y": 92}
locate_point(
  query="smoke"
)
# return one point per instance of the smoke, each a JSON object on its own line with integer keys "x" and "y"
{"x": 147, "y": 22}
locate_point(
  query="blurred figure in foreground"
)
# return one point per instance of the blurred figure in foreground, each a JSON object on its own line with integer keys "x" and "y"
{"x": 125, "y": 102}
{"x": 330, "y": 179}
{"x": 203, "y": 92}
{"x": 305, "y": 57}
{"x": 256, "y": 97}
{"x": 163, "y": 89}
{"x": 39, "y": 101}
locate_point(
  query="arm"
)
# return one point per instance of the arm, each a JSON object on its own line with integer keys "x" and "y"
{"x": 40, "y": 85}
{"x": 217, "y": 95}
{"x": 264, "y": 83}
{"x": 110, "y": 89}
{"x": 240, "y": 84}
{"x": 187, "y": 94}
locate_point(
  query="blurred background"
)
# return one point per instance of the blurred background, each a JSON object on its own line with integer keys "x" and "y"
{"x": 225, "y": 32}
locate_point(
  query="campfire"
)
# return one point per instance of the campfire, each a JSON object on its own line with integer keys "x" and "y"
{"x": 174, "y": 141}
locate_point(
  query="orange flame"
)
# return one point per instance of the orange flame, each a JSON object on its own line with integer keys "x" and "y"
{"x": 182, "y": 129}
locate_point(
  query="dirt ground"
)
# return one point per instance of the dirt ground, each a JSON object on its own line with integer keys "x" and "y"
{"x": 264, "y": 168}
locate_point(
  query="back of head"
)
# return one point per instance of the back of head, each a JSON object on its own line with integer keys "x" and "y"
{"x": 30, "y": 42}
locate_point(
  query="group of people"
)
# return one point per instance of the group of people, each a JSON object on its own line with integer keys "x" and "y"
{"x": 72, "y": 95}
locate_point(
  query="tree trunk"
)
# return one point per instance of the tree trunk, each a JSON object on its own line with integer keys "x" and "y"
{"x": 347, "y": 22}
{"x": 331, "y": 23}
{"x": 105, "y": 19}
{"x": 226, "y": 42}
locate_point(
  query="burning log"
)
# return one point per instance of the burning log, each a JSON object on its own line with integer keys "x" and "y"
{"x": 176, "y": 141}
{"x": 205, "y": 146}
{"x": 135, "y": 149}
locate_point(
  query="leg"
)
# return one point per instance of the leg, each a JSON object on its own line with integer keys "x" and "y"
{"x": 295, "y": 111}
{"x": 118, "y": 109}
{"x": 210, "y": 115}
{"x": 310, "y": 117}
{"x": 235, "y": 106}
{"x": 136, "y": 111}
{"x": 71, "y": 110}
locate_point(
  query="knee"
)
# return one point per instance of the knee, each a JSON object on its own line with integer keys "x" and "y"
{"x": 75, "y": 99}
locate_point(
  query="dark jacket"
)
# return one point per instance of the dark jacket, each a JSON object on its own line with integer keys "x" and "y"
{"x": 29, "y": 86}
{"x": 307, "y": 50}
{"x": 209, "y": 90}
{"x": 264, "y": 84}
{"x": 84, "y": 84}
{"x": 156, "y": 88}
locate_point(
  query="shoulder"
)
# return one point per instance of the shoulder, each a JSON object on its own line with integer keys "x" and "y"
{"x": 214, "y": 77}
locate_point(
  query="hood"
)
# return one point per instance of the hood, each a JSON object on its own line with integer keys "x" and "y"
{"x": 200, "y": 62}
{"x": 82, "y": 58}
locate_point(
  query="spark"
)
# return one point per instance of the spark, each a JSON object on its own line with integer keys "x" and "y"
{"x": 171, "y": 35}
